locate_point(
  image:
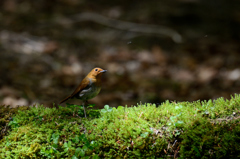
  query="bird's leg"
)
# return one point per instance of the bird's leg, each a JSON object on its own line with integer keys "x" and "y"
{"x": 84, "y": 109}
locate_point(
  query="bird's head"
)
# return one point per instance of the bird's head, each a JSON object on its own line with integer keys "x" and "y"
{"x": 97, "y": 72}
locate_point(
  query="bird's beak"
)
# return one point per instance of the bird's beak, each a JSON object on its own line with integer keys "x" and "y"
{"x": 103, "y": 71}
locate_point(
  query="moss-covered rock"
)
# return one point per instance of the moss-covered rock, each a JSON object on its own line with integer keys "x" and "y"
{"x": 6, "y": 114}
{"x": 208, "y": 140}
{"x": 201, "y": 129}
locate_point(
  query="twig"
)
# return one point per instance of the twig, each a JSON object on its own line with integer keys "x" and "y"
{"x": 224, "y": 119}
{"x": 140, "y": 115}
{"x": 174, "y": 143}
{"x": 128, "y": 26}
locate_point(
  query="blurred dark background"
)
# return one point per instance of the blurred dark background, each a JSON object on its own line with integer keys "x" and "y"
{"x": 181, "y": 50}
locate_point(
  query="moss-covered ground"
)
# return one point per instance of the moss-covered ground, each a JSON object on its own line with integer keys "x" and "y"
{"x": 200, "y": 129}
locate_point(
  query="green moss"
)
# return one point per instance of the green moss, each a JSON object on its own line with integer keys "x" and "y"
{"x": 6, "y": 114}
{"x": 207, "y": 140}
{"x": 201, "y": 129}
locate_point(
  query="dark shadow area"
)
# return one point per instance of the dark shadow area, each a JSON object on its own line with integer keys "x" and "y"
{"x": 181, "y": 50}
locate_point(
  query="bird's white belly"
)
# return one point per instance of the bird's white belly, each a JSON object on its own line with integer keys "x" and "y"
{"x": 89, "y": 93}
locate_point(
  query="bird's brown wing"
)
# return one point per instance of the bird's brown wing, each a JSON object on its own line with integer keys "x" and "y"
{"x": 85, "y": 82}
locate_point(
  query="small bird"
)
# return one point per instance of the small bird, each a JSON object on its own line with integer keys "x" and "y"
{"x": 89, "y": 87}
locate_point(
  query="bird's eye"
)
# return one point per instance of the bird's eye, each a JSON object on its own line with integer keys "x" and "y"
{"x": 96, "y": 69}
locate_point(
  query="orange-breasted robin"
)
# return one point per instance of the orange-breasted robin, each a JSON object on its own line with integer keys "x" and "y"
{"x": 89, "y": 87}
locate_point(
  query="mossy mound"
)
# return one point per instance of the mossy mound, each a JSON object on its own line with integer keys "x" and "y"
{"x": 207, "y": 129}
{"x": 6, "y": 114}
{"x": 208, "y": 140}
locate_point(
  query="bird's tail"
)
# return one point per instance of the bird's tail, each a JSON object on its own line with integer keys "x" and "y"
{"x": 65, "y": 99}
